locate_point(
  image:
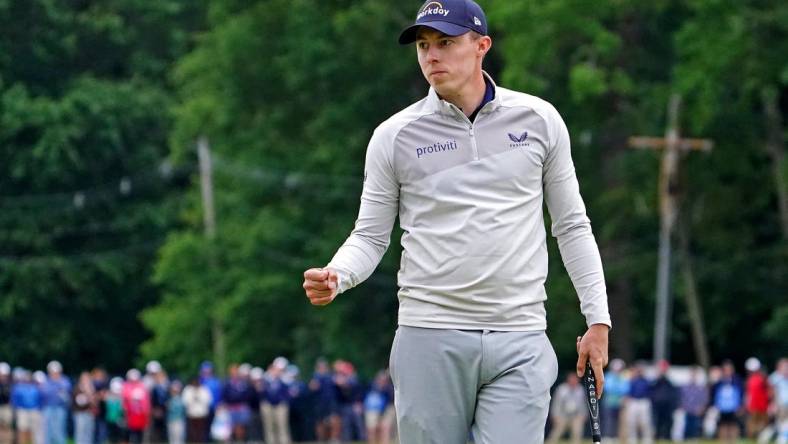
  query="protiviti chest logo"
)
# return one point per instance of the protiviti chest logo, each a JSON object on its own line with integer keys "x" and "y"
{"x": 437, "y": 147}
{"x": 518, "y": 141}
{"x": 432, "y": 8}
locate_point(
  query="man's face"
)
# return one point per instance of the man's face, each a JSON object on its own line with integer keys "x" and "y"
{"x": 449, "y": 63}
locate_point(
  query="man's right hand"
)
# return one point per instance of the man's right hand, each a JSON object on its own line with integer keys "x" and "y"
{"x": 321, "y": 285}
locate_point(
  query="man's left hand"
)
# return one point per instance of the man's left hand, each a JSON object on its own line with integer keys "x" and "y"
{"x": 593, "y": 346}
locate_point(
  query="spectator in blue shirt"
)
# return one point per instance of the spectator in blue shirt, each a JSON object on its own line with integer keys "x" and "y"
{"x": 727, "y": 396}
{"x": 379, "y": 415}
{"x": 26, "y": 401}
{"x": 326, "y": 404}
{"x": 55, "y": 400}
{"x": 276, "y": 404}
{"x": 639, "y": 407}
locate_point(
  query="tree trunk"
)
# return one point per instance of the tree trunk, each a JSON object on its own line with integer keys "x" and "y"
{"x": 775, "y": 147}
{"x": 694, "y": 310}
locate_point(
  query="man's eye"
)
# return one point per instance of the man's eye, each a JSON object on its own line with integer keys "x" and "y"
{"x": 446, "y": 42}
{"x": 422, "y": 45}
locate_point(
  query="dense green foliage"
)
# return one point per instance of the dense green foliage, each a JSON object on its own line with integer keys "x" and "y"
{"x": 288, "y": 93}
{"x": 84, "y": 200}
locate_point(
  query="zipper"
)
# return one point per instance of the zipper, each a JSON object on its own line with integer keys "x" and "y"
{"x": 473, "y": 144}
{"x": 470, "y": 131}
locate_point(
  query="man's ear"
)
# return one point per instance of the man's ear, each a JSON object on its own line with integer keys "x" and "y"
{"x": 485, "y": 43}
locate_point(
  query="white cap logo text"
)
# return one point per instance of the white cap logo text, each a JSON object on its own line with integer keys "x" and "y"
{"x": 432, "y": 8}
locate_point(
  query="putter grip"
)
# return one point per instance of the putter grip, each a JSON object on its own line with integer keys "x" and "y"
{"x": 589, "y": 380}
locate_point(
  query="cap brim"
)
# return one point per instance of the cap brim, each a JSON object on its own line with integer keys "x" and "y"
{"x": 409, "y": 34}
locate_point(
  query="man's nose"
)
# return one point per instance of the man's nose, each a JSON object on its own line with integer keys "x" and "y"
{"x": 432, "y": 54}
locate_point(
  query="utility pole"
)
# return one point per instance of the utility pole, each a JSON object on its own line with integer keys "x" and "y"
{"x": 209, "y": 222}
{"x": 671, "y": 145}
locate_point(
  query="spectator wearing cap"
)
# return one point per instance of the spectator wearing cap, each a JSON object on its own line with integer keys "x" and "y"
{"x": 56, "y": 401}
{"x": 351, "y": 401}
{"x": 616, "y": 389}
{"x": 159, "y": 390}
{"x": 275, "y": 405}
{"x": 39, "y": 431}
{"x": 197, "y": 401}
{"x": 6, "y": 412}
{"x": 302, "y": 427}
{"x": 779, "y": 383}
{"x": 756, "y": 398}
{"x": 113, "y": 411}
{"x": 255, "y": 429}
{"x": 694, "y": 399}
{"x": 26, "y": 402}
{"x": 136, "y": 406}
{"x": 727, "y": 397}
{"x": 212, "y": 383}
{"x": 85, "y": 402}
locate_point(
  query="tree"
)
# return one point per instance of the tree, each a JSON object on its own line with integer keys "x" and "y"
{"x": 86, "y": 192}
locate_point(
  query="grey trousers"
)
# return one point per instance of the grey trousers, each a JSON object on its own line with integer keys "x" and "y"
{"x": 449, "y": 382}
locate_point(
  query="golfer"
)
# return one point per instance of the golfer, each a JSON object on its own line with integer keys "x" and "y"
{"x": 467, "y": 170}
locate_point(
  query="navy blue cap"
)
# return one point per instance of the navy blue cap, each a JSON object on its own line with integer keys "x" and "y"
{"x": 451, "y": 17}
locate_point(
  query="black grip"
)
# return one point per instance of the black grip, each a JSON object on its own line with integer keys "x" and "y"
{"x": 589, "y": 380}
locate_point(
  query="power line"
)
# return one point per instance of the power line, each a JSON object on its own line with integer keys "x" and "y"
{"x": 123, "y": 187}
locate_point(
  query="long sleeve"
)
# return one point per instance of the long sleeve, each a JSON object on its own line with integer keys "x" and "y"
{"x": 361, "y": 253}
{"x": 572, "y": 227}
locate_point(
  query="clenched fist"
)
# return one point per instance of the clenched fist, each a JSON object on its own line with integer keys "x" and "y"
{"x": 321, "y": 285}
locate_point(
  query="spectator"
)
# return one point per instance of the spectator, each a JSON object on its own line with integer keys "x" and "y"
{"x": 664, "y": 401}
{"x": 56, "y": 400}
{"x": 85, "y": 405}
{"x": 6, "y": 412}
{"x": 136, "y": 405}
{"x": 616, "y": 389}
{"x": 779, "y": 383}
{"x": 302, "y": 426}
{"x": 275, "y": 404}
{"x": 727, "y": 398}
{"x": 158, "y": 385}
{"x": 176, "y": 415}
{"x": 568, "y": 410}
{"x": 113, "y": 411}
{"x": 212, "y": 383}
{"x": 255, "y": 430}
{"x": 197, "y": 401}
{"x": 235, "y": 397}
{"x": 639, "y": 407}
{"x": 756, "y": 399}
{"x": 100, "y": 382}
{"x": 328, "y": 425}
{"x": 38, "y": 426}
{"x": 26, "y": 401}
{"x": 379, "y": 414}
{"x": 350, "y": 402}
{"x": 712, "y": 416}
{"x": 694, "y": 399}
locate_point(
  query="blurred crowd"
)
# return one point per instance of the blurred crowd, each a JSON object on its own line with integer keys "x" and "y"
{"x": 642, "y": 403}
{"x": 273, "y": 405}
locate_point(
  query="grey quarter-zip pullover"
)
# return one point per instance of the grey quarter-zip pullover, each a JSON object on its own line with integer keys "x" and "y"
{"x": 469, "y": 197}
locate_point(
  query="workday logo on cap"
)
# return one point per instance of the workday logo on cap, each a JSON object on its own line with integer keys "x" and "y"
{"x": 432, "y": 8}
{"x": 451, "y": 17}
